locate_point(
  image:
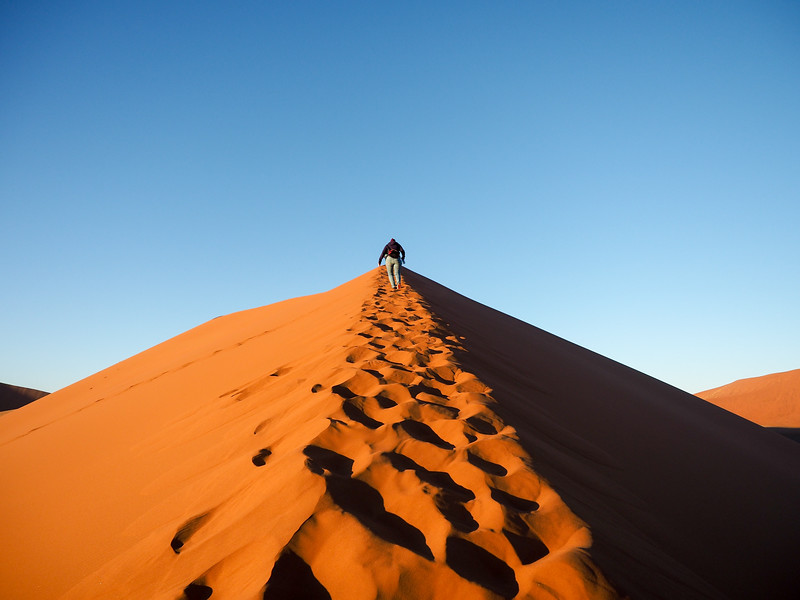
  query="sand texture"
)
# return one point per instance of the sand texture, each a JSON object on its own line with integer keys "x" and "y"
{"x": 771, "y": 400}
{"x": 363, "y": 443}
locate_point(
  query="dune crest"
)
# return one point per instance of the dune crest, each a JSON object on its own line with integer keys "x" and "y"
{"x": 330, "y": 445}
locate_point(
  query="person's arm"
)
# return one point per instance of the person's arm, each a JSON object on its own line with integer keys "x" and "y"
{"x": 384, "y": 253}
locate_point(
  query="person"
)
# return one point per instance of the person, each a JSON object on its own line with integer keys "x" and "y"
{"x": 395, "y": 256}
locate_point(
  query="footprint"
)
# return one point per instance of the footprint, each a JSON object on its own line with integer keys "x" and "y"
{"x": 399, "y": 375}
{"x": 321, "y": 460}
{"x": 447, "y": 412}
{"x": 377, "y": 374}
{"x": 385, "y": 402}
{"x": 361, "y": 354}
{"x": 408, "y": 358}
{"x": 186, "y": 531}
{"x": 260, "y": 459}
{"x": 422, "y": 432}
{"x": 358, "y": 415}
{"x": 293, "y": 578}
{"x": 481, "y": 424}
{"x": 475, "y": 564}
{"x": 365, "y": 503}
{"x": 485, "y": 465}
{"x": 443, "y": 375}
{"x": 529, "y": 547}
{"x": 439, "y": 479}
{"x": 343, "y": 391}
{"x": 361, "y": 383}
{"x": 455, "y": 512}
{"x": 513, "y": 502}
{"x": 420, "y": 388}
{"x": 396, "y": 392}
{"x": 197, "y": 590}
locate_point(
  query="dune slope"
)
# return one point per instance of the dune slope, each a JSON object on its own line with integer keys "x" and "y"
{"x": 771, "y": 400}
{"x": 684, "y": 500}
{"x": 331, "y": 446}
{"x": 12, "y": 396}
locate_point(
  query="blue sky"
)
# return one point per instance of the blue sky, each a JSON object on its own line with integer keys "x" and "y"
{"x": 622, "y": 174}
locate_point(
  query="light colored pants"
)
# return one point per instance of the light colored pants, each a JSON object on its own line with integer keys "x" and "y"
{"x": 393, "y": 269}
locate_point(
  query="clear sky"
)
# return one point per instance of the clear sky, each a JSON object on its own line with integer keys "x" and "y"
{"x": 625, "y": 175}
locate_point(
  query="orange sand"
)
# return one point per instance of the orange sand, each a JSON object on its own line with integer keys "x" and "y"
{"x": 368, "y": 444}
{"x": 771, "y": 400}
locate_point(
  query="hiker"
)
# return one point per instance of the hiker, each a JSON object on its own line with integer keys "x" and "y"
{"x": 395, "y": 256}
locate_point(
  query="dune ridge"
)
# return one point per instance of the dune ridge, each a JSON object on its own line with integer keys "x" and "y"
{"x": 331, "y": 445}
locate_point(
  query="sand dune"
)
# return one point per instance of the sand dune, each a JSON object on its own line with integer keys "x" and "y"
{"x": 368, "y": 444}
{"x": 771, "y": 400}
{"x": 12, "y": 396}
{"x": 684, "y": 500}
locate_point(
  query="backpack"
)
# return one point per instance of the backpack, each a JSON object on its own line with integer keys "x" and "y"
{"x": 394, "y": 252}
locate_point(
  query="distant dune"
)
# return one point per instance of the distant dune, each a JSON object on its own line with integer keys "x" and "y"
{"x": 363, "y": 443}
{"x": 771, "y": 400}
{"x": 12, "y": 396}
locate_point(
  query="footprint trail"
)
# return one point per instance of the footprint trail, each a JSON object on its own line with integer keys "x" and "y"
{"x": 427, "y": 493}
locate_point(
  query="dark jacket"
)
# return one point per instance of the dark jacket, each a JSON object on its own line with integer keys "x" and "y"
{"x": 392, "y": 245}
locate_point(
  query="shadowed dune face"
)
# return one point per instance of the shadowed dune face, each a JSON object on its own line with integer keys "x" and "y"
{"x": 665, "y": 481}
{"x": 12, "y": 396}
{"x": 359, "y": 444}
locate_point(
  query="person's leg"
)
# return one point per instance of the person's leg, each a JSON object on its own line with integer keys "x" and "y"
{"x": 390, "y": 270}
{"x": 396, "y": 272}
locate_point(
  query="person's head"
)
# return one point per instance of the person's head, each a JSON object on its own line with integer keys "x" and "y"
{"x": 391, "y": 240}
